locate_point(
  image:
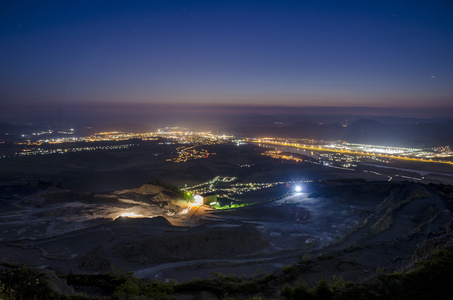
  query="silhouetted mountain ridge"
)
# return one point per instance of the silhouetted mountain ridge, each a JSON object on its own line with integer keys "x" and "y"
{"x": 363, "y": 131}
{"x": 11, "y": 129}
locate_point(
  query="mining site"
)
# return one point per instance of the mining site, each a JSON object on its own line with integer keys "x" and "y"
{"x": 351, "y": 229}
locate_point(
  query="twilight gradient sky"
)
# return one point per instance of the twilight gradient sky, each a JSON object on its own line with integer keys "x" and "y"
{"x": 364, "y": 53}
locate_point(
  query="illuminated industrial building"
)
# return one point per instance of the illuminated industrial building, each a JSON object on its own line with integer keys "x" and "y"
{"x": 209, "y": 199}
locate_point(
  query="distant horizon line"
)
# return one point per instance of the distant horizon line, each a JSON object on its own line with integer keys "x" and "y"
{"x": 139, "y": 108}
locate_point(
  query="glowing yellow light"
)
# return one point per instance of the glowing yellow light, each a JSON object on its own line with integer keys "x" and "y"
{"x": 298, "y": 189}
{"x": 130, "y": 215}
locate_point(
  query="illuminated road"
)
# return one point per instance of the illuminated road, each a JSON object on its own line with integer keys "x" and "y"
{"x": 323, "y": 149}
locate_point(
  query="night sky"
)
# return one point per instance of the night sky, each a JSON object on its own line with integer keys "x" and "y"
{"x": 384, "y": 54}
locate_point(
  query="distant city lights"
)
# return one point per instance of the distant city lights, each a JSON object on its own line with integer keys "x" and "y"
{"x": 355, "y": 152}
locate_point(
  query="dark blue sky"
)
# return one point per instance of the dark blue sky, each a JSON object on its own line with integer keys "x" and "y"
{"x": 255, "y": 53}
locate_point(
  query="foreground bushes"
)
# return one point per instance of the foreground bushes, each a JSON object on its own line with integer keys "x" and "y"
{"x": 428, "y": 279}
{"x": 123, "y": 285}
{"x": 22, "y": 282}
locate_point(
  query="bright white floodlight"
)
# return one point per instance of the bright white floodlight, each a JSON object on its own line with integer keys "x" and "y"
{"x": 298, "y": 189}
{"x": 198, "y": 199}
